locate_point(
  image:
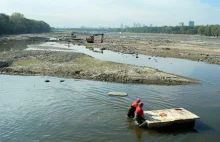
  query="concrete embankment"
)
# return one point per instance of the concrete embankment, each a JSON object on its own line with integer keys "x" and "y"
{"x": 81, "y": 66}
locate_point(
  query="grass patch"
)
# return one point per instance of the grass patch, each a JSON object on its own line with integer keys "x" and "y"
{"x": 95, "y": 63}
{"x": 25, "y": 62}
{"x": 90, "y": 48}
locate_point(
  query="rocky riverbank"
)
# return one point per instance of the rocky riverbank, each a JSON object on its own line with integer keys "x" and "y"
{"x": 81, "y": 66}
{"x": 163, "y": 45}
{"x": 197, "y": 48}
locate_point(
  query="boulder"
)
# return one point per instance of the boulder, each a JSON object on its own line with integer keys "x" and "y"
{"x": 47, "y": 81}
{"x": 4, "y": 64}
{"x": 117, "y": 94}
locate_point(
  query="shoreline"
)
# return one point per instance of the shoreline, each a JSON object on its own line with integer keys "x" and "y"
{"x": 158, "y": 45}
{"x": 166, "y": 47}
{"x": 81, "y": 66}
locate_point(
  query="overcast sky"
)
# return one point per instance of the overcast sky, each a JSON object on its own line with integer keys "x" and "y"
{"x": 110, "y": 13}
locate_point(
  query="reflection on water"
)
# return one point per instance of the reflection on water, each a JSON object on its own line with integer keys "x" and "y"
{"x": 17, "y": 44}
{"x": 81, "y": 110}
{"x": 183, "y": 67}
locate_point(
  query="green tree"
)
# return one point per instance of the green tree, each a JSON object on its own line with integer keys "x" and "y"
{"x": 201, "y": 30}
{"x": 4, "y": 24}
{"x": 209, "y": 30}
{"x": 17, "y": 24}
{"x": 215, "y": 30}
{"x": 17, "y": 16}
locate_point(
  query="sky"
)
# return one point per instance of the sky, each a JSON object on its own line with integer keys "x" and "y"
{"x": 111, "y": 13}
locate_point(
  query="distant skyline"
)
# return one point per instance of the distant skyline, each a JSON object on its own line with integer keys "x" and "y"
{"x": 110, "y": 13}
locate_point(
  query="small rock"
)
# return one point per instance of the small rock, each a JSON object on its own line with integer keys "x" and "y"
{"x": 103, "y": 48}
{"x": 47, "y": 81}
{"x": 166, "y": 48}
{"x": 77, "y": 72}
{"x": 62, "y": 80}
{"x": 117, "y": 94}
{"x": 4, "y": 64}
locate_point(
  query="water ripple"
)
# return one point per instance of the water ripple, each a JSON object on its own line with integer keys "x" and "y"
{"x": 82, "y": 111}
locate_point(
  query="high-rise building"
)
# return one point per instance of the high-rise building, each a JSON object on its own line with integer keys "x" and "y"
{"x": 134, "y": 25}
{"x": 181, "y": 24}
{"x": 191, "y": 23}
{"x": 138, "y": 25}
{"x": 122, "y": 25}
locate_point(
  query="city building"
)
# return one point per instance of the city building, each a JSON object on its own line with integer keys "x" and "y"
{"x": 122, "y": 25}
{"x": 134, "y": 25}
{"x": 138, "y": 25}
{"x": 191, "y": 23}
{"x": 181, "y": 24}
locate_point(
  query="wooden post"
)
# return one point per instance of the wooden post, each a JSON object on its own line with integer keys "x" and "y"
{"x": 102, "y": 38}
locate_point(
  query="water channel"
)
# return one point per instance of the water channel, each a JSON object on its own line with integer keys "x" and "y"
{"x": 80, "y": 110}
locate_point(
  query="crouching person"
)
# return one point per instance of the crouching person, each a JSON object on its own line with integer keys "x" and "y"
{"x": 131, "y": 111}
{"x": 139, "y": 114}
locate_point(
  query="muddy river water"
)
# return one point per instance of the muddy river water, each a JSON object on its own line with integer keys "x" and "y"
{"x": 81, "y": 110}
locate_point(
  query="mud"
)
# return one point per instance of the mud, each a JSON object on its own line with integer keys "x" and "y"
{"x": 175, "y": 46}
{"x": 81, "y": 66}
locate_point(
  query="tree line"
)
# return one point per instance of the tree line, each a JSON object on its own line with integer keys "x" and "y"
{"x": 18, "y": 24}
{"x": 209, "y": 30}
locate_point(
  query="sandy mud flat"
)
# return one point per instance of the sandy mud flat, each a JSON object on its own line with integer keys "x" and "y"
{"x": 81, "y": 66}
{"x": 201, "y": 49}
{"x": 192, "y": 47}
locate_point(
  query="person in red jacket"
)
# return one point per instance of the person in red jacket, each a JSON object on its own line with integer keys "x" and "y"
{"x": 139, "y": 114}
{"x": 132, "y": 108}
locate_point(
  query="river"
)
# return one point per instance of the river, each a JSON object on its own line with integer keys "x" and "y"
{"x": 81, "y": 110}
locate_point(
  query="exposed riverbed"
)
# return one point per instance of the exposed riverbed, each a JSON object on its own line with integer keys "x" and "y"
{"x": 81, "y": 110}
{"x": 58, "y": 62}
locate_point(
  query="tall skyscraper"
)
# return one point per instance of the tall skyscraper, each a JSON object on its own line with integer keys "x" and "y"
{"x": 134, "y": 24}
{"x": 122, "y": 25}
{"x": 191, "y": 23}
